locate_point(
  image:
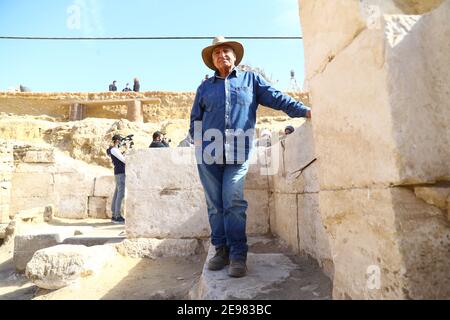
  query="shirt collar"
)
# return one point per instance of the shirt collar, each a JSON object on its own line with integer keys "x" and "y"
{"x": 235, "y": 72}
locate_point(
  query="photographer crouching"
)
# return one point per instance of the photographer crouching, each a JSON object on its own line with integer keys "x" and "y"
{"x": 159, "y": 140}
{"x": 118, "y": 160}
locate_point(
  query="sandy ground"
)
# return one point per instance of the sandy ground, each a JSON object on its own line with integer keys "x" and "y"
{"x": 122, "y": 278}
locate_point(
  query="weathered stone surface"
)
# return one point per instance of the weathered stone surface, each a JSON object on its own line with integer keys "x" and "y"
{"x": 25, "y": 203}
{"x": 166, "y": 214}
{"x": 93, "y": 240}
{"x": 313, "y": 237}
{"x": 62, "y": 265}
{"x": 342, "y": 21}
{"x": 340, "y": 24}
{"x": 37, "y": 184}
{"x": 257, "y": 177}
{"x": 399, "y": 102}
{"x": 436, "y": 196}
{"x": 3, "y": 227}
{"x": 65, "y": 183}
{"x": 173, "y": 204}
{"x": 257, "y": 212}
{"x": 39, "y": 156}
{"x": 31, "y": 184}
{"x": 284, "y": 222}
{"x": 33, "y": 214}
{"x": 104, "y": 186}
{"x": 26, "y": 245}
{"x": 6, "y": 172}
{"x": 294, "y": 169}
{"x": 390, "y": 233}
{"x": 97, "y": 207}
{"x": 72, "y": 207}
{"x": 265, "y": 272}
{"x": 158, "y": 248}
{"x": 169, "y": 168}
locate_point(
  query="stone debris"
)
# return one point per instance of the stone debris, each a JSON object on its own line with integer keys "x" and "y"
{"x": 63, "y": 265}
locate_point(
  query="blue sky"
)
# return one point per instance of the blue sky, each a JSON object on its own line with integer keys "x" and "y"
{"x": 160, "y": 65}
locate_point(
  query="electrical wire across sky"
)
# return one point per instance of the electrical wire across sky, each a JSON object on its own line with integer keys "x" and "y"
{"x": 145, "y": 38}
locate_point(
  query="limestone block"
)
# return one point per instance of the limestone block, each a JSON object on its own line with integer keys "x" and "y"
{"x": 26, "y": 245}
{"x": 108, "y": 207}
{"x": 34, "y": 214}
{"x": 4, "y": 213}
{"x": 267, "y": 271}
{"x": 419, "y": 96}
{"x": 31, "y": 184}
{"x": 166, "y": 214}
{"x": 104, "y": 186}
{"x": 158, "y": 248}
{"x": 340, "y": 23}
{"x": 62, "y": 265}
{"x": 97, "y": 207}
{"x": 290, "y": 178}
{"x": 285, "y": 222}
{"x": 395, "y": 130}
{"x": 386, "y": 244}
{"x": 257, "y": 177}
{"x": 25, "y": 203}
{"x": 436, "y": 196}
{"x": 299, "y": 154}
{"x": 257, "y": 212}
{"x": 72, "y": 207}
{"x": 39, "y": 156}
{"x": 70, "y": 183}
{"x": 313, "y": 237}
{"x": 162, "y": 168}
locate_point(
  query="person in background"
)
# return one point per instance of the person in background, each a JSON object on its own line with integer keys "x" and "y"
{"x": 112, "y": 86}
{"x": 136, "y": 85}
{"x": 118, "y": 161}
{"x": 159, "y": 141}
{"x": 127, "y": 88}
{"x": 289, "y": 130}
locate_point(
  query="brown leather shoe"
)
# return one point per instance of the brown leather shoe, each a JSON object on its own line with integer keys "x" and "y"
{"x": 237, "y": 269}
{"x": 220, "y": 260}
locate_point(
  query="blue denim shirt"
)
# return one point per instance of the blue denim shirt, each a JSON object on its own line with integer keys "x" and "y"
{"x": 229, "y": 105}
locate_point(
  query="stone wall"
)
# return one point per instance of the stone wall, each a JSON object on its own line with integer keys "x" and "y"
{"x": 173, "y": 105}
{"x": 42, "y": 176}
{"x": 165, "y": 198}
{"x": 378, "y": 85}
{"x": 294, "y": 197}
{"x": 6, "y": 172}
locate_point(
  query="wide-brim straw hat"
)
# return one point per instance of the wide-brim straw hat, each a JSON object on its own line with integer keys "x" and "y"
{"x": 237, "y": 47}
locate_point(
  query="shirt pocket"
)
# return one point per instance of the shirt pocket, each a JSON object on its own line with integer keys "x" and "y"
{"x": 210, "y": 102}
{"x": 243, "y": 96}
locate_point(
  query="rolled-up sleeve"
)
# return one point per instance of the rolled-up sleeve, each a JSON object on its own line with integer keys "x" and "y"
{"x": 196, "y": 112}
{"x": 268, "y": 96}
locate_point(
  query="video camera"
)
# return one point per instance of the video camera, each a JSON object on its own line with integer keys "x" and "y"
{"x": 166, "y": 140}
{"x": 127, "y": 141}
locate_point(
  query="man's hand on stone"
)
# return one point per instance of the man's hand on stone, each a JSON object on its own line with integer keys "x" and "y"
{"x": 308, "y": 114}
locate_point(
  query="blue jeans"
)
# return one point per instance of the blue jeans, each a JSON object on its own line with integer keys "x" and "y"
{"x": 224, "y": 190}
{"x": 119, "y": 193}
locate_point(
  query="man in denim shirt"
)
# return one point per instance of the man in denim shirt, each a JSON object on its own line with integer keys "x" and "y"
{"x": 222, "y": 125}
